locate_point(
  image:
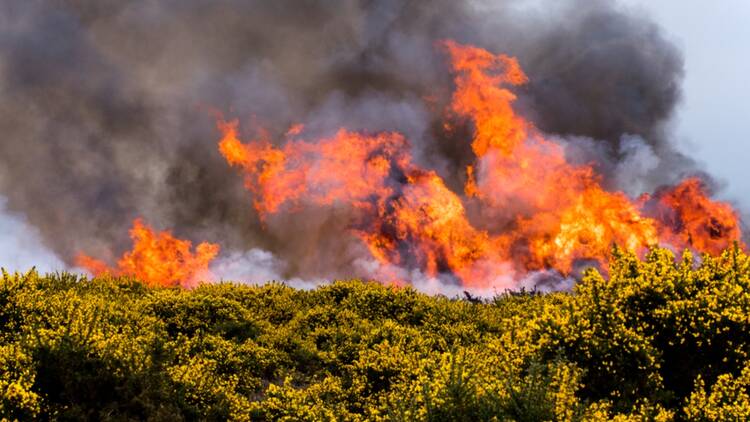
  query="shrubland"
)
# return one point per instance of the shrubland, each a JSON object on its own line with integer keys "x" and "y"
{"x": 657, "y": 338}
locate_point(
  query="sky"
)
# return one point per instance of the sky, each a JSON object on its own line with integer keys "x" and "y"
{"x": 21, "y": 246}
{"x": 713, "y": 122}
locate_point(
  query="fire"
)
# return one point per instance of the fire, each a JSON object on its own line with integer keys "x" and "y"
{"x": 480, "y": 94}
{"x": 425, "y": 226}
{"x": 560, "y": 211}
{"x": 538, "y": 211}
{"x": 349, "y": 167}
{"x": 690, "y": 219}
{"x": 405, "y": 214}
{"x": 158, "y": 259}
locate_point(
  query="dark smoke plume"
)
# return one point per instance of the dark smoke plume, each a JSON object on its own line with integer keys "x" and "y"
{"x": 105, "y": 105}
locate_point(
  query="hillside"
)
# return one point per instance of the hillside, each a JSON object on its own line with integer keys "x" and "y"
{"x": 654, "y": 339}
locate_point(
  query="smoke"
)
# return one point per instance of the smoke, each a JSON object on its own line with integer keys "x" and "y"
{"x": 106, "y": 109}
{"x": 257, "y": 266}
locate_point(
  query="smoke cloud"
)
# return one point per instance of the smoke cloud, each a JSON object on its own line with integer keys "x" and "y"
{"x": 106, "y": 109}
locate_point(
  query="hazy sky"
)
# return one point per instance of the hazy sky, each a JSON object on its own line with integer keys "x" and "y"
{"x": 713, "y": 122}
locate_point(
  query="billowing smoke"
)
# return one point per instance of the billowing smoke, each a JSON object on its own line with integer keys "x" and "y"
{"x": 107, "y": 108}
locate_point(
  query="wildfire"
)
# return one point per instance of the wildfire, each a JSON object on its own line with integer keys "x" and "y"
{"x": 480, "y": 94}
{"x": 560, "y": 212}
{"x": 349, "y": 168}
{"x": 405, "y": 214}
{"x": 546, "y": 212}
{"x": 158, "y": 259}
{"x": 690, "y": 219}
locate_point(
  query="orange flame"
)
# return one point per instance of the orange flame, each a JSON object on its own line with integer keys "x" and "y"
{"x": 561, "y": 212}
{"x": 545, "y": 213}
{"x": 348, "y": 167}
{"x": 404, "y": 214}
{"x": 689, "y": 219}
{"x": 158, "y": 259}
{"x": 479, "y": 93}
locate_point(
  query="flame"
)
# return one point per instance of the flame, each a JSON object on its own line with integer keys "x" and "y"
{"x": 158, "y": 259}
{"x": 479, "y": 93}
{"x": 405, "y": 215}
{"x": 537, "y": 210}
{"x": 561, "y": 212}
{"x": 348, "y": 167}
{"x": 690, "y": 219}
{"x": 425, "y": 226}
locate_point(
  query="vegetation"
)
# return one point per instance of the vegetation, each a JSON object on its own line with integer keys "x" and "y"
{"x": 658, "y": 339}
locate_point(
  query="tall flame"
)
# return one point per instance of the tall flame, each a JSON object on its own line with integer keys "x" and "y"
{"x": 547, "y": 213}
{"x": 158, "y": 259}
{"x": 562, "y": 214}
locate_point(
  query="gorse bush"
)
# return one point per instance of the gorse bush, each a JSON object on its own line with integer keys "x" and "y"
{"x": 655, "y": 339}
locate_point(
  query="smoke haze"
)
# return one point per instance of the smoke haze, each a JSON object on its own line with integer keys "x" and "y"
{"x": 107, "y": 110}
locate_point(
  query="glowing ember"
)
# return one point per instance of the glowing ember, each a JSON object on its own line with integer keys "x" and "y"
{"x": 159, "y": 259}
{"x": 538, "y": 210}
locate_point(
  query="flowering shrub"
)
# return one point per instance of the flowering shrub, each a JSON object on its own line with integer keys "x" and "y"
{"x": 655, "y": 339}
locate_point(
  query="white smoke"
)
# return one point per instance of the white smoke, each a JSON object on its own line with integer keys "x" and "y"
{"x": 441, "y": 284}
{"x": 256, "y": 267}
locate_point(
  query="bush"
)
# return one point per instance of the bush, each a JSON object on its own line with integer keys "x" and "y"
{"x": 654, "y": 339}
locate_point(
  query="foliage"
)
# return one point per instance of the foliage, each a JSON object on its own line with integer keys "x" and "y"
{"x": 655, "y": 339}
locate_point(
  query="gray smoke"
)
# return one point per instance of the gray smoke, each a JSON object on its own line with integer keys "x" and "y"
{"x": 106, "y": 106}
